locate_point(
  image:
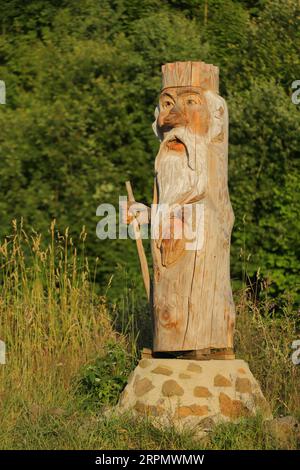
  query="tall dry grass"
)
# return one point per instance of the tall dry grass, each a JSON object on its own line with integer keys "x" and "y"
{"x": 53, "y": 323}
{"x": 264, "y": 335}
{"x": 51, "y": 319}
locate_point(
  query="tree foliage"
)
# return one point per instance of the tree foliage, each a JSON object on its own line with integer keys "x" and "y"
{"x": 82, "y": 81}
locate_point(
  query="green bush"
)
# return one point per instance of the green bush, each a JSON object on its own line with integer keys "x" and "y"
{"x": 103, "y": 380}
{"x": 82, "y": 80}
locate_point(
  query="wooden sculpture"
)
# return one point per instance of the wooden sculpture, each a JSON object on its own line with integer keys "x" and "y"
{"x": 193, "y": 309}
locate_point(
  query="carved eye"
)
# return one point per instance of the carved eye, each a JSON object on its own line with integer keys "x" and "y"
{"x": 191, "y": 102}
{"x": 167, "y": 104}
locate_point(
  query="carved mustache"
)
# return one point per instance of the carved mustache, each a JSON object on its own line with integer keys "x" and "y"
{"x": 173, "y": 142}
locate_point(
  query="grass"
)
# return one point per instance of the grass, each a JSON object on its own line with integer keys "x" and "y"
{"x": 264, "y": 337}
{"x": 66, "y": 365}
{"x": 50, "y": 319}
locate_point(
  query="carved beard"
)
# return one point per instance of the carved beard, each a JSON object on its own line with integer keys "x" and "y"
{"x": 181, "y": 173}
{"x": 182, "y": 176}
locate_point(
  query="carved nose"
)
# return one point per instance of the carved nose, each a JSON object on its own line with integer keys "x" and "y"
{"x": 175, "y": 109}
{"x": 174, "y": 118}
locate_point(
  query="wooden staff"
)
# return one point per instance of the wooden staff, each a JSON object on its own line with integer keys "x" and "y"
{"x": 139, "y": 244}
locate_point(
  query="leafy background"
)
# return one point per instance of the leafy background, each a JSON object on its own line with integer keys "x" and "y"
{"x": 82, "y": 82}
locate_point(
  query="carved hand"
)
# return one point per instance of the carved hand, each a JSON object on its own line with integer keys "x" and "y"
{"x": 135, "y": 210}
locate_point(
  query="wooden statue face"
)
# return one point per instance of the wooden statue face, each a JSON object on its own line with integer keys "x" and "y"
{"x": 183, "y": 107}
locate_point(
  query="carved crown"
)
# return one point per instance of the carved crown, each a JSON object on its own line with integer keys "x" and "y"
{"x": 197, "y": 74}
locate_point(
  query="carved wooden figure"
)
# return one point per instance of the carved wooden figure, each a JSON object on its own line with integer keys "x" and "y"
{"x": 192, "y": 217}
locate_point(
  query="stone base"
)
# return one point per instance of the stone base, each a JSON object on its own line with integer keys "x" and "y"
{"x": 188, "y": 392}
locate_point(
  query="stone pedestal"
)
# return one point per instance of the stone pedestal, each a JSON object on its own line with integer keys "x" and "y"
{"x": 187, "y": 392}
